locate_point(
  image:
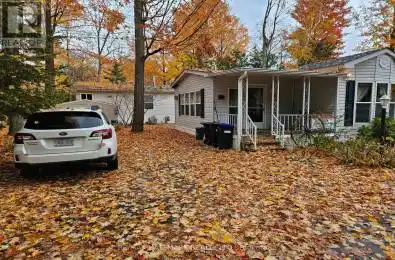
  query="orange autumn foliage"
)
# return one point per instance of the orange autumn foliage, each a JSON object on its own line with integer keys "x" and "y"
{"x": 320, "y": 31}
{"x": 219, "y": 38}
{"x": 377, "y": 24}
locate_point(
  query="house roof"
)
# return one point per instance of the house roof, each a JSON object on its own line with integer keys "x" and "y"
{"x": 345, "y": 59}
{"x": 250, "y": 71}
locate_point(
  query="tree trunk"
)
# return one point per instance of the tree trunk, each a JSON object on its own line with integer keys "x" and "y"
{"x": 99, "y": 68}
{"x": 138, "y": 111}
{"x": 49, "y": 49}
{"x": 15, "y": 123}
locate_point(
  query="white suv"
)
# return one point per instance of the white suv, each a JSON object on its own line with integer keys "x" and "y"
{"x": 65, "y": 136}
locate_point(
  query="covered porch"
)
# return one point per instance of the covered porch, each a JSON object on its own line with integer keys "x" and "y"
{"x": 275, "y": 102}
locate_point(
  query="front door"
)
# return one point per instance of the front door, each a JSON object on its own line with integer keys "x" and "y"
{"x": 255, "y": 104}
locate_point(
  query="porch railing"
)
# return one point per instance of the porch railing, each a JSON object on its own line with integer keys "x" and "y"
{"x": 298, "y": 122}
{"x": 226, "y": 118}
{"x": 251, "y": 130}
{"x": 278, "y": 130}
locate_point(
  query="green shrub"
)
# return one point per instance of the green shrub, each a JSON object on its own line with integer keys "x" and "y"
{"x": 360, "y": 151}
{"x": 373, "y": 131}
{"x": 367, "y": 152}
{"x": 324, "y": 141}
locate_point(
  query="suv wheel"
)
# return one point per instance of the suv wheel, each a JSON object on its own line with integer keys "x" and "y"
{"x": 112, "y": 164}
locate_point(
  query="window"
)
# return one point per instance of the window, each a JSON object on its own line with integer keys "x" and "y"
{"x": 187, "y": 102}
{"x": 182, "y": 104}
{"x": 198, "y": 103}
{"x": 190, "y": 104}
{"x": 381, "y": 90}
{"x": 392, "y": 102}
{"x": 148, "y": 102}
{"x": 85, "y": 96}
{"x": 192, "y": 97}
{"x": 63, "y": 120}
{"x": 363, "y": 102}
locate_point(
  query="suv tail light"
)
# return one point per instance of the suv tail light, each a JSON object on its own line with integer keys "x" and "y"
{"x": 105, "y": 133}
{"x": 20, "y": 138}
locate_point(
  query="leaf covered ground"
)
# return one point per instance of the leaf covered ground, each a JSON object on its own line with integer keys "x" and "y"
{"x": 175, "y": 198}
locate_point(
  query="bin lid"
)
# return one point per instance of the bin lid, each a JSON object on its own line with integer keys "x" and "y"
{"x": 226, "y": 125}
{"x": 210, "y": 123}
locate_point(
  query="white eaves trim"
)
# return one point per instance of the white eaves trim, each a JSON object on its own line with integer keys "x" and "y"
{"x": 351, "y": 64}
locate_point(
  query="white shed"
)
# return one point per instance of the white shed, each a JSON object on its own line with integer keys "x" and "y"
{"x": 159, "y": 102}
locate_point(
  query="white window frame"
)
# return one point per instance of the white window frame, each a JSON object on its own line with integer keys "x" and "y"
{"x": 187, "y": 99}
{"x": 192, "y": 98}
{"x": 371, "y": 101}
{"x": 149, "y": 102}
{"x": 377, "y": 102}
{"x": 198, "y": 101}
{"x": 391, "y": 84}
{"x": 182, "y": 103}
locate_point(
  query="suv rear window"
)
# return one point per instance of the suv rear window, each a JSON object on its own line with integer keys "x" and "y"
{"x": 63, "y": 120}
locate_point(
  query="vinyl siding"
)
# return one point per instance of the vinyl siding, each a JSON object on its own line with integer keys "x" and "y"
{"x": 164, "y": 104}
{"x": 369, "y": 71}
{"x": 194, "y": 83}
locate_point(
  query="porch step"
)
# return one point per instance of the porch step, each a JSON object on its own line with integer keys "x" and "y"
{"x": 266, "y": 140}
{"x": 247, "y": 144}
{"x": 269, "y": 143}
{"x": 264, "y": 132}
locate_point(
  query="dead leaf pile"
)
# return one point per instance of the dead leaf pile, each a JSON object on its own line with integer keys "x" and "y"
{"x": 174, "y": 197}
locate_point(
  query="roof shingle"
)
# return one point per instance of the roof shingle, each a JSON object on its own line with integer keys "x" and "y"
{"x": 338, "y": 61}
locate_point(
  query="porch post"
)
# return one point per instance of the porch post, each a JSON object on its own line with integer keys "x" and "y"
{"x": 246, "y": 101}
{"x": 239, "y": 111}
{"x": 278, "y": 98}
{"x": 272, "y": 125}
{"x": 308, "y": 96}
{"x": 304, "y": 101}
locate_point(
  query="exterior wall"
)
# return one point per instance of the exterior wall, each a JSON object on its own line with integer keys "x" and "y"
{"x": 369, "y": 71}
{"x": 164, "y": 104}
{"x": 194, "y": 83}
{"x": 340, "y": 102}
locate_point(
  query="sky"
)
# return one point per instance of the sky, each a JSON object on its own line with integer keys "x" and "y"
{"x": 250, "y": 11}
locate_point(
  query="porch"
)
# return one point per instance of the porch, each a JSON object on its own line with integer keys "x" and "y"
{"x": 276, "y": 102}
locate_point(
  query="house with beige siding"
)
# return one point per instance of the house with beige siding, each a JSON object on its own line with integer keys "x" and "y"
{"x": 339, "y": 95}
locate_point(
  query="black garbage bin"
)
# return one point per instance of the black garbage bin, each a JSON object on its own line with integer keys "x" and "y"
{"x": 210, "y": 133}
{"x": 225, "y": 136}
{"x": 200, "y": 133}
